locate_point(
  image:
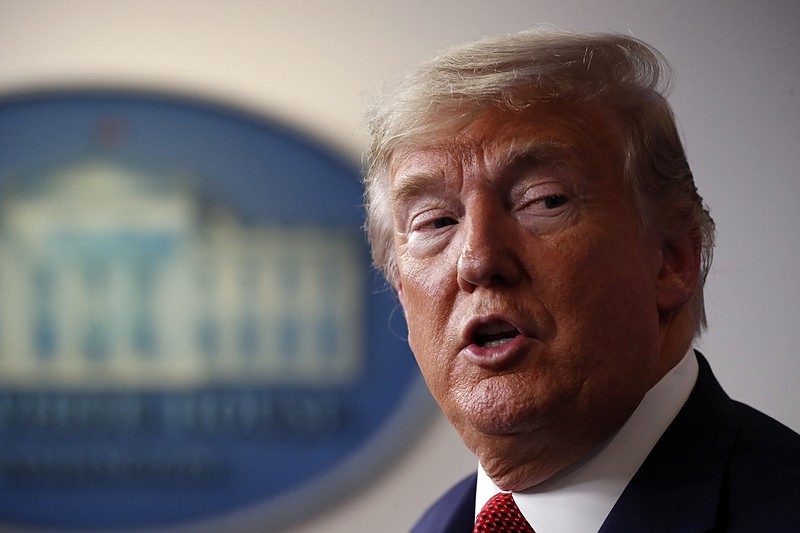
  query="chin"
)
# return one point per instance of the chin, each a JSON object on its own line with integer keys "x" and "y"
{"x": 505, "y": 424}
{"x": 501, "y": 420}
{"x": 497, "y": 408}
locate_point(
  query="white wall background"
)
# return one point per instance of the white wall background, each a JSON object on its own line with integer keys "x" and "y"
{"x": 313, "y": 64}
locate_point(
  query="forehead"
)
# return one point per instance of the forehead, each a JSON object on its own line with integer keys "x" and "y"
{"x": 583, "y": 136}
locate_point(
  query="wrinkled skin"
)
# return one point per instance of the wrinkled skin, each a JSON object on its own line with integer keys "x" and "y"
{"x": 539, "y": 310}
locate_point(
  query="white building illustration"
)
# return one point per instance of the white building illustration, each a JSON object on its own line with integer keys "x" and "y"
{"x": 110, "y": 277}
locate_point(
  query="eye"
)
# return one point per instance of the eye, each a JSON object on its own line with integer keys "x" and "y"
{"x": 546, "y": 204}
{"x": 432, "y": 220}
{"x": 553, "y": 201}
{"x": 543, "y": 203}
{"x": 430, "y": 229}
{"x": 442, "y": 222}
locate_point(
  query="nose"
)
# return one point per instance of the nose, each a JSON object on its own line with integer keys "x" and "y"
{"x": 489, "y": 255}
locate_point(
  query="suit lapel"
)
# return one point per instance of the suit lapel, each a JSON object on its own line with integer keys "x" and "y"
{"x": 452, "y": 513}
{"x": 678, "y": 486}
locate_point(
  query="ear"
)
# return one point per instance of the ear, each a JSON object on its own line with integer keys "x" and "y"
{"x": 401, "y": 295}
{"x": 678, "y": 274}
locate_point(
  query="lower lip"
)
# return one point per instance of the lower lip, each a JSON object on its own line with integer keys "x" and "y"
{"x": 498, "y": 357}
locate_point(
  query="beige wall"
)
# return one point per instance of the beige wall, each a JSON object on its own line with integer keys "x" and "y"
{"x": 313, "y": 64}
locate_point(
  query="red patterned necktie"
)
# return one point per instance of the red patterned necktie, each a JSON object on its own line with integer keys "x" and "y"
{"x": 501, "y": 515}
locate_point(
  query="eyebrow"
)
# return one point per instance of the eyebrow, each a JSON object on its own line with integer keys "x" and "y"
{"x": 519, "y": 155}
{"x": 514, "y": 158}
{"x": 415, "y": 184}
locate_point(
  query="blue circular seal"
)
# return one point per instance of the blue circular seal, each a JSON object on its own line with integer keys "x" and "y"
{"x": 190, "y": 329}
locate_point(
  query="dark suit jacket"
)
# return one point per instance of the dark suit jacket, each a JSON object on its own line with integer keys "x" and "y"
{"x": 720, "y": 466}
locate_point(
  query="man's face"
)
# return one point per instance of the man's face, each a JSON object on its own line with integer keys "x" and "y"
{"x": 529, "y": 286}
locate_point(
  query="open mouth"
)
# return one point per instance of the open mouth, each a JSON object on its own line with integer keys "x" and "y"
{"x": 495, "y": 334}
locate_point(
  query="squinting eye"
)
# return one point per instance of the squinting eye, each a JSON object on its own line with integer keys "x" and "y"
{"x": 551, "y": 202}
{"x": 442, "y": 222}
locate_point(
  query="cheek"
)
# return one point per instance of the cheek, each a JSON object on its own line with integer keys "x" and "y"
{"x": 600, "y": 288}
{"x": 625, "y": 337}
{"x": 430, "y": 292}
{"x": 425, "y": 303}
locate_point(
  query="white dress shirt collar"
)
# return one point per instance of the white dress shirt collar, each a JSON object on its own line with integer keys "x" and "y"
{"x": 580, "y": 498}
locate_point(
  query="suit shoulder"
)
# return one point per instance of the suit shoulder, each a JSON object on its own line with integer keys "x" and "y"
{"x": 764, "y": 474}
{"x": 762, "y": 438}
